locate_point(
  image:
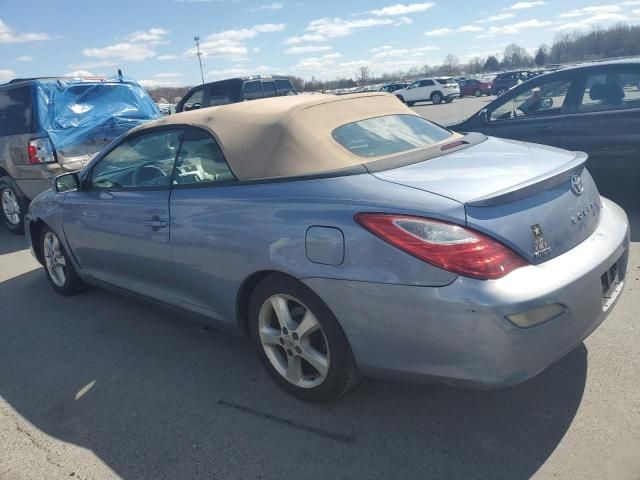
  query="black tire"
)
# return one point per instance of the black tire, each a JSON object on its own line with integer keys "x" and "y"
{"x": 477, "y": 93}
{"x": 410, "y": 104}
{"x": 501, "y": 91}
{"x": 400, "y": 97}
{"x": 342, "y": 374}
{"x": 436, "y": 98}
{"x": 72, "y": 284}
{"x": 448, "y": 100}
{"x": 8, "y": 187}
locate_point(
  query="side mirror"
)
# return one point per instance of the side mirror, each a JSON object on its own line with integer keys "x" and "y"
{"x": 69, "y": 182}
{"x": 484, "y": 116}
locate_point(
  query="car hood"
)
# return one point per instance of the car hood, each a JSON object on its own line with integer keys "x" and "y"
{"x": 483, "y": 169}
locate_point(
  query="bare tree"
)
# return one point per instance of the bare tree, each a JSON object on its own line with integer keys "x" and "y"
{"x": 451, "y": 64}
{"x": 363, "y": 75}
{"x": 515, "y": 57}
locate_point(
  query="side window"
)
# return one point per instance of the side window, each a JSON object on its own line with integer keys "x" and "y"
{"x": 219, "y": 94}
{"x": 15, "y": 111}
{"x": 253, "y": 90}
{"x": 545, "y": 99}
{"x": 427, "y": 83}
{"x": 201, "y": 160}
{"x": 611, "y": 91}
{"x": 269, "y": 89}
{"x": 194, "y": 101}
{"x": 145, "y": 161}
{"x": 414, "y": 85}
{"x": 285, "y": 87}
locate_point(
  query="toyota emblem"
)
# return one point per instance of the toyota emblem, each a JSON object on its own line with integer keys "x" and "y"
{"x": 576, "y": 184}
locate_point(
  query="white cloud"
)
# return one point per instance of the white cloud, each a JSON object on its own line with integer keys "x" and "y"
{"x": 386, "y": 51}
{"x": 79, "y": 73}
{"x": 496, "y": 18}
{"x": 168, "y": 75}
{"x": 631, "y": 2}
{"x": 518, "y": 27}
{"x": 24, "y": 58}
{"x": 439, "y": 32}
{"x": 579, "y": 12}
{"x": 238, "y": 72}
{"x": 6, "y": 74}
{"x": 271, "y": 6}
{"x": 8, "y": 35}
{"x": 402, "y": 9}
{"x": 153, "y": 36}
{"x": 121, "y": 51}
{"x": 307, "y": 49}
{"x": 525, "y": 5}
{"x": 92, "y": 65}
{"x": 167, "y": 57}
{"x": 231, "y": 43}
{"x": 469, "y": 28}
{"x": 598, "y": 18}
{"x": 403, "y": 21}
{"x": 317, "y": 64}
{"x": 338, "y": 27}
{"x": 305, "y": 38}
{"x": 135, "y": 47}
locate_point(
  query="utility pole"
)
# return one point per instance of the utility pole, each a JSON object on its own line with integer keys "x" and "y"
{"x": 199, "y": 54}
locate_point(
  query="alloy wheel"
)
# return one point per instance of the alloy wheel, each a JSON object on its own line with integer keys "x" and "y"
{"x": 293, "y": 341}
{"x": 10, "y": 206}
{"x": 54, "y": 259}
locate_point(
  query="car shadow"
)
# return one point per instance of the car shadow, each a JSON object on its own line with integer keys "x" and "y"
{"x": 10, "y": 242}
{"x": 156, "y": 395}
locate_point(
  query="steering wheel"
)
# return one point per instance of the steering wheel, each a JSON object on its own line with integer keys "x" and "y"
{"x": 147, "y": 173}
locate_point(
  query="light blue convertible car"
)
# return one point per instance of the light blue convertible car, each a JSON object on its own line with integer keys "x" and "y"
{"x": 346, "y": 236}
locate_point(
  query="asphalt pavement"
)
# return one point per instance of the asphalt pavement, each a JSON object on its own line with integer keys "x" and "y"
{"x": 103, "y": 386}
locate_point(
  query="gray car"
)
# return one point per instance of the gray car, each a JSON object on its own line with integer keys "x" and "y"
{"x": 346, "y": 236}
{"x": 53, "y": 125}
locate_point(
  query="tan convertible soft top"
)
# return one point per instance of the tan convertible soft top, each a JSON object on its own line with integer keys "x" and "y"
{"x": 286, "y": 136}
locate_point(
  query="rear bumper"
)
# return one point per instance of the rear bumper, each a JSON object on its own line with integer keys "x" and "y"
{"x": 459, "y": 333}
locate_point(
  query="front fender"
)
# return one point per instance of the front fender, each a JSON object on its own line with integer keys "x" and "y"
{"x": 45, "y": 209}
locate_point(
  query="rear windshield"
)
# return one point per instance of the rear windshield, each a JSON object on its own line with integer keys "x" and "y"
{"x": 446, "y": 81}
{"x": 380, "y": 136}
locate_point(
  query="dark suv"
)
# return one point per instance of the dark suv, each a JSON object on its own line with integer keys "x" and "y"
{"x": 235, "y": 90}
{"x": 49, "y": 126}
{"x": 504, "y": 81}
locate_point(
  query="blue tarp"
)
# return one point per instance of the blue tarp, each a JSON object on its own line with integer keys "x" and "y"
{"x": 81, "y": 117}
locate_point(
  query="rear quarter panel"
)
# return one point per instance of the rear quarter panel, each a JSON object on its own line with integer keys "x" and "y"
{"x": 222, "y": 235}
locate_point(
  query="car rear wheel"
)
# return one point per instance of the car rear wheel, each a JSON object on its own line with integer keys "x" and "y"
{"x": 299, "y": 341}
{"x": 60, "y": 272}
{"x": 411, "y": 104}
{"x": 436, "y": 98}
{"x": 477, "y": 93}
{"x": 12, "y": 206}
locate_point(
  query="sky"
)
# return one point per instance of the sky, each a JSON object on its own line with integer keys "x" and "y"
{"x": 152, "y": 41}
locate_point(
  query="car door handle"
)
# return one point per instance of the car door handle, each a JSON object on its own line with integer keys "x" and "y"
{"x": 155, "y": 223}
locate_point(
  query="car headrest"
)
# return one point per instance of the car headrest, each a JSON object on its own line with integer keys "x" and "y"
{"x": 597, "y": 91}
{"x": 614, "y": 93}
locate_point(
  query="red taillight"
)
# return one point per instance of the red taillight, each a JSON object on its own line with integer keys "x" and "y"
{"x": 40, "y": 150}
{"x": 446, "y": 245}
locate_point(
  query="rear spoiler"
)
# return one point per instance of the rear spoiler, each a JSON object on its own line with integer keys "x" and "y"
{"x": 534, "y": 185}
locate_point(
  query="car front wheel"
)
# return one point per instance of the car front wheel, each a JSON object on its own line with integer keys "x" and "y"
{"x": 299, "y": 341}
{"x": 13, "y": 206}
{"x": 60, "y": 272}
{"x": 436, "y": 98}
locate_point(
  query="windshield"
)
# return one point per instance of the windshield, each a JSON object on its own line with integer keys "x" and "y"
{"x": 377, "y": 137}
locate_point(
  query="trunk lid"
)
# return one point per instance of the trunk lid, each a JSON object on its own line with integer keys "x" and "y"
{"x": 519, "y": 193}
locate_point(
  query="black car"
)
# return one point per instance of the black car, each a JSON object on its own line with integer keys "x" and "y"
{"x": 593, "y": 108}
{"x": 392, "y": 87}
{"x": 506, "y": 80}
{"x": 235, "y": 90}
